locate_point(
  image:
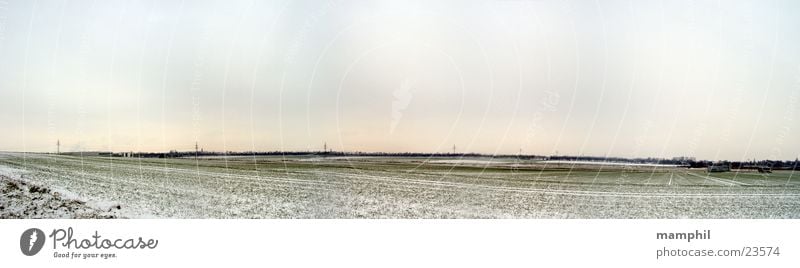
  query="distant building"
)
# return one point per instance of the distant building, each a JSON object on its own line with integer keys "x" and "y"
{"x": 764, "y": 169}
{"x": 684, "y": 159}
{"x": 719, "y": 167}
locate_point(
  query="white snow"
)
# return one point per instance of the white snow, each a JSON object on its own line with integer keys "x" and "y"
{"x": 470, "y": 161}
{"x": 394, "y": 188}
{"x": 605, "y": 163}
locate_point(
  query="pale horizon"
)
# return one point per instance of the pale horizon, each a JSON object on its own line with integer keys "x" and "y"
{"x": 715, "y": 81}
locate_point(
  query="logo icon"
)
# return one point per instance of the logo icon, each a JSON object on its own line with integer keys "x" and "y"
{"x": 31, "y": 241}
{"x": 402, "y": 97}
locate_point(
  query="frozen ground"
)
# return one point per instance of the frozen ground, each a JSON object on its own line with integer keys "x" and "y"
{"x": 292, "y": 187}
{"x": 470, "y": 161}
{"x": 24, "y": 200}
{"x": 605, "y": 163}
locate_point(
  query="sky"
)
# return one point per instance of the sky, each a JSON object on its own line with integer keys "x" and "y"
{"x": 710, "y": 79}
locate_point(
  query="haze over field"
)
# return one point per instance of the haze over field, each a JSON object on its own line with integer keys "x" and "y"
{"x": 711, "y": 79}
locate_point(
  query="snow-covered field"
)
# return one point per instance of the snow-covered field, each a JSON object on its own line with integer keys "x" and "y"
{"x": 606, "y": 163}
{"x": 24, "y": 200}
{"x": 293, "y": 187}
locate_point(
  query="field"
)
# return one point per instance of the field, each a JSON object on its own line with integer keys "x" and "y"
{"x": 379, "y": 187}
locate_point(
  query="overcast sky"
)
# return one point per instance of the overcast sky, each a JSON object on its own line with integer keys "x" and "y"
{"x": 711, "y": 79}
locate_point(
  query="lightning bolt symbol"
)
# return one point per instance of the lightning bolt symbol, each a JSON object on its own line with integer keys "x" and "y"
{"x": 32, "y": 240}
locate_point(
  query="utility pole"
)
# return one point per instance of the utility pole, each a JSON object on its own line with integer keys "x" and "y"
{"x": 196, "y": 150}
{"x": 58, "y": 146}
{"x": 454, "y": 149}
{"x": 325, "y": 147}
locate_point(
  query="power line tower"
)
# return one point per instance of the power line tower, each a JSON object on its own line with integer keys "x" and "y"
{"x": 58, "y": 146}
{"x": 454, "y": 149}
{"x": 325, "y": 147}
{"x": 196, "y": 150}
